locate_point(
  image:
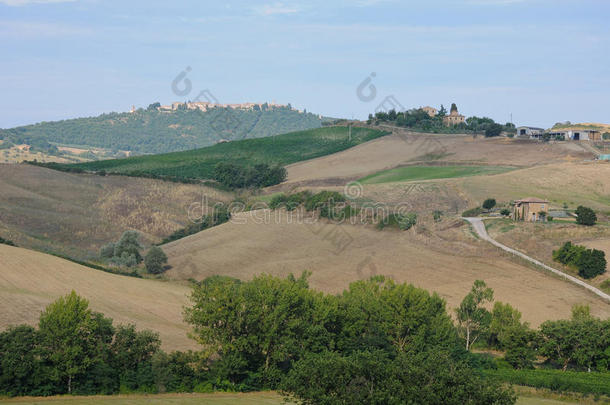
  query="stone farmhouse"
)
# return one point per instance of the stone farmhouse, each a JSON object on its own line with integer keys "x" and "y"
{"x": 530, "y": 210}
{"x": 454, "y": 117}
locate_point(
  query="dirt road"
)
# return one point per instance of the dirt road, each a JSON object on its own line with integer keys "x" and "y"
{"x": 479, "y": 227}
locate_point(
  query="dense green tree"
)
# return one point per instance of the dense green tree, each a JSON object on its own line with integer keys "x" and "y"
{"x": 72, "y": 336}
{"x": 20, "y": 365}
{"x": 493, "y": 130}
{"x": 585, "y": 216}
{"x": 155, "y": 260}
{"x": 489, "y": 203}
{"x": 374, "y": 377}
{"x": 581, "y": 341}
{"x": 129, "y": 245}
{"x": 473, "y": 318}
{"x": 442, "y": 111}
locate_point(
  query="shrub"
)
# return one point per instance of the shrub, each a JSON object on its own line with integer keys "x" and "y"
{"x": 107, "y": 251}
{"x": 436, "y": 215}
{"x": 585, "y": 216}
{"x": 401, "y": 221}
{"x": 7, "y": 242}
{"x": 259, "y": 175}
{"x": 322, "y": 199}
{"x": 589, "y": 262}
{"x": 155, "y": 260}
{"x": 473, "y": 212}
{"x": 505, "y": 212}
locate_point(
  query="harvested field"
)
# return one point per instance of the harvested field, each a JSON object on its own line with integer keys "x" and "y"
{"x": 29, "y": 281}
{"x": 442, "y": 257}
{"x": 404, "y": 148}
{"x": 76, "y": 214}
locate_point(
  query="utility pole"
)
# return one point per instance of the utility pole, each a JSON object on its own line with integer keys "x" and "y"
{"x": 349, "y": 136}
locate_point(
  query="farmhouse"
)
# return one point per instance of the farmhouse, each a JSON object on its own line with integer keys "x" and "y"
{"x": 431, "y": 111}
{"x": 454, "y": 117}
{"x": 531, "y": 132}
{"x": 530, "y": 210}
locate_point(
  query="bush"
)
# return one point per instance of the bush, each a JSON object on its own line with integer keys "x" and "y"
{"x": 585, "y": 216}
{"x": 7, "y": 242}
{"x": 219, "y": 216}
{"x": 155, "y": 260}
{"x": 401, "y": 221}
{"x": 107, "y": 251}
{"x": 473, "y": 212}
{"x": 555, "y": 380}
{"x": 589, "y": 262}
{"x": 505, "y": 212}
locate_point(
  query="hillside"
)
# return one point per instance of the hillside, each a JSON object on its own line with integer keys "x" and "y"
{"x": 408, "y": 148}
{"x": 29, "y": 281}
{"x": 442, "y": 257}
{"x": 277, "y": 150}
{"x": 75, "y": 215}
{"x": 153, "y": 131}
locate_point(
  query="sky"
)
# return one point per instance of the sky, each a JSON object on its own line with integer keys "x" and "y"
{"x": 541, "y": 61}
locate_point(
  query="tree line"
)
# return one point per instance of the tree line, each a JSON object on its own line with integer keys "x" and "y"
{"x": 419, "y": 120}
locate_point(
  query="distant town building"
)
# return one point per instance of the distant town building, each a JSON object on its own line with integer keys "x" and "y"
{"x": 431, "y": 111}
{"x": 531, "y": 132}
{"x": 454, "y": 118}
{"x": 204, "y": 106}
{"x": 530, "y": 210}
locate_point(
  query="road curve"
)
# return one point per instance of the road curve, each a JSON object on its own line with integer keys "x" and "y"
{"x": 479, "y": 227}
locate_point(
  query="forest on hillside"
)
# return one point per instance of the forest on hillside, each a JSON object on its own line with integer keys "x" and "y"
{"x": 152, "y": 131}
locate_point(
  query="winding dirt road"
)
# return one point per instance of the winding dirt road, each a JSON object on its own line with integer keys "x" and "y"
{"x": 479, "y": 227}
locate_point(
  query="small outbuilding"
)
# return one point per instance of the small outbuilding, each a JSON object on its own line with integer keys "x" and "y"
{"x": 530, "y": 210}
{"x": 531, "y": 132}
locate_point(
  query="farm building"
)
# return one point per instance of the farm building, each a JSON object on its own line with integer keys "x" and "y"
{"x": 530, "y": 210}
{"x": 531, "y": 132}
{"x": 454, "y": 117}
{"x": 578, "y": 134}
{"x": 431, "y": 111}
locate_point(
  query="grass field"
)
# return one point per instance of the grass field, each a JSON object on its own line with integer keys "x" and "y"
{"x": 29, "y": 281}
{"x": 221, "y": 398}
{"x": 277, "y": 150}
{"x": 414, "y": 173}
{"x": 253, "y": 398}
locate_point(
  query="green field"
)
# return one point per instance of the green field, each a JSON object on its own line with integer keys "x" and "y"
{"x": 221, "y": 398}
{"x": 413, "y": 173}
{"x": 199, "y": 163}
{"x": 255, "y": 398}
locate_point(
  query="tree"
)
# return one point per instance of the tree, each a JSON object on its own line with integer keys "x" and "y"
{"x": 71, "y": 335}
{"x": 493, "y": 130}
{"x": 489, "y": 203}
{"x": 442, "y": 111}
{"x": 20, "y": 363}
{"x": 155, "y": 260}
{"x": 473, "y": 318}
{"x": 591, "y": 263}
{"x": 129, "y": 245}
{"x": 585, "y": 216}
{"x": 107, "y": 251}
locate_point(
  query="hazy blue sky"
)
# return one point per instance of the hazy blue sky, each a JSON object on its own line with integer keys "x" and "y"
{"x": 543, "y": 61}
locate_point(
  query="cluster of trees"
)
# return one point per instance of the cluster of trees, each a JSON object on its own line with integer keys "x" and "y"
{"x": 259, "y": 175}
{"x": 418, "y": 119}
{"x": 581, "y": 343}
{"x": 126, "y": 253}
{"x": 401, "y": 221}
{"x": 219, "y": 216}
{"x": 379, "y": 342}
{"x": 585, "y": 216}
{"x": 589, "y": 262}
{"x": 152, "y": 131}
{"x": 75, "y": 350}
{"x": 7, "y": 242}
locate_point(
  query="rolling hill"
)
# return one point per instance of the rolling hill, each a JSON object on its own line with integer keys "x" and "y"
{"x": 153, "y": 131}
{"x": 75, "y": 215}
{"x": 441, "y": 257}
{"x": 29, "y": 281}
{"x": 277, "y": 150}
